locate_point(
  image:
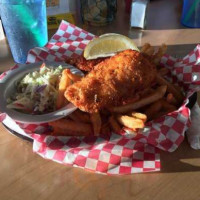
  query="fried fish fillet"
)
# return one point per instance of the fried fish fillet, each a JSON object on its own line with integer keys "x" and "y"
{"x": 112, "y": 81}
{"x": 81, "y": 63}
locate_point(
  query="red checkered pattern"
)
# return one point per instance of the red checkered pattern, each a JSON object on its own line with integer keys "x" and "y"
{"x": 69, "y": 41}
{"x": 114, "y": 154}
{"x": 34, "y": 128}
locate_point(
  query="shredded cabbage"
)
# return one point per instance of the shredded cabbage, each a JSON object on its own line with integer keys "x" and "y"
{"x": 37, "y": 91}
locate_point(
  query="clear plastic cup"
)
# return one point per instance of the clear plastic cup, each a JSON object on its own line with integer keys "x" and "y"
{"x": 191, "y": 13}
{"x": 25, "y": 25}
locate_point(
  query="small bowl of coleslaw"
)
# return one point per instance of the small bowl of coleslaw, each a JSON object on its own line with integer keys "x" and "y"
{"x": 29, "y": 92}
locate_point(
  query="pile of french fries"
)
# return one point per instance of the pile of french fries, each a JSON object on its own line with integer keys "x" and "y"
{"x": 150, "y": 104}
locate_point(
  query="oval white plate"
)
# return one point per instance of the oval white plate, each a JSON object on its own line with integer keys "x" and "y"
{"x": 8, "y": 88}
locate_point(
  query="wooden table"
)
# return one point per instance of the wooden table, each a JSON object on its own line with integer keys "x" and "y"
{"x": 25, "y": 175}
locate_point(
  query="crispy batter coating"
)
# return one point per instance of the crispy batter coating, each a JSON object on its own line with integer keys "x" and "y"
{"x": 112, "y": 81}
{"x": 81, "y": 63}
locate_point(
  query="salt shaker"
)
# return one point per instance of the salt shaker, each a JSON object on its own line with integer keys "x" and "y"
{"x": 138, "y": 13}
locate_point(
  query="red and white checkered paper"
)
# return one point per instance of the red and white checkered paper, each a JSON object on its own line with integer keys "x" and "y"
{"x": 114, "y": 153}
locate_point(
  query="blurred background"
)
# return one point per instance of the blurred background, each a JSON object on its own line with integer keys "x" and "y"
{"x": 154, "y": 21}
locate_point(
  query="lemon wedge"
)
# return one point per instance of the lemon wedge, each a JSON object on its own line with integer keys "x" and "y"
{"x": 108, "y": 45}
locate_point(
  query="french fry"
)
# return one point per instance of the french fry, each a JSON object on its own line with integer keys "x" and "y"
{"x": 114, "y": 124}
{"x": 63, "y": 84}
{"x": 162, "y": 108}
{"x": 158, "y": 94}
{"x": 80, "y": 116}
{"x": 152, "y": 102}
{"x": 170, "y": 88}
{"x": 161, "y": 51}
{"x": 67, "y": 126}
{"x": 105, "y": 128}
{"x": 73, "y": 77}
{"x": 130, "y": 122}
{"x": 132, "y": 100}
{"x": 105, "y": 112}
{"x": 55, "y": 131}
{"x": 160, "y": 114}
{"x": 171, "y": 99}
{"x": 145, "y": 92}
{"x": 74, "y": 117}
{"x": 96, "y": 123}
{"x": 145, "y": 47}
{"x": 177, "y": 87}
{"x": 83, "y": 116}
{"x": 152, "y": 109}
{"x": 138, "y": 115}
{"x": 167, "y": 106}
{"x": 149, "y": 51}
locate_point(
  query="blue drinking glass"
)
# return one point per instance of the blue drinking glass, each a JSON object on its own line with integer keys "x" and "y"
{"x": 25, "y": 25}
{"x": 191, "y": 13}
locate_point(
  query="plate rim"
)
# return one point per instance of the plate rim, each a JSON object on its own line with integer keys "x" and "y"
{"x": 21, "y": 71}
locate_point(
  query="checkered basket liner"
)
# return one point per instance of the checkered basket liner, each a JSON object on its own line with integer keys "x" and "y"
{"x": 114, "y": 153}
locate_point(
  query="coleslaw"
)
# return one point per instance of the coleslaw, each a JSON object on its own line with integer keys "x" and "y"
{"x": 37, "y": 91}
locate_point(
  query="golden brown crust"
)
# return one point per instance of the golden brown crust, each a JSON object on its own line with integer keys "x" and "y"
{"x": 81, "y": 63}
{"x": 112, "y": 81}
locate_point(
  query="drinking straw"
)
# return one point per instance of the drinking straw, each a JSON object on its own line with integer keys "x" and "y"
{"x": 191, "y": 10}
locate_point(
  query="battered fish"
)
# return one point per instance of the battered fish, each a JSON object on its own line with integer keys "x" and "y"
{"x": 112, "y": 81}
{"x": 81, "y": 63}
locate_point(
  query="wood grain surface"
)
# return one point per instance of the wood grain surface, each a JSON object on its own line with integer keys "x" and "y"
{"x": 25, "y": 175}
